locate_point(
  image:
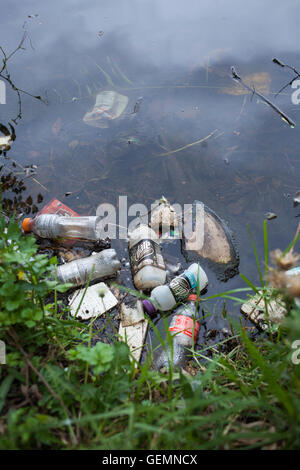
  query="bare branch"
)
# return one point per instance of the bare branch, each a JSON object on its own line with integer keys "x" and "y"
{"x": 239, "y": 80}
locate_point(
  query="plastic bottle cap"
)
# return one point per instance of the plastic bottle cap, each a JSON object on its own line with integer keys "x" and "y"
{"x": 148, "y": 306}
{"x": 26, "y": 224}
{"x": 192, "y": 297}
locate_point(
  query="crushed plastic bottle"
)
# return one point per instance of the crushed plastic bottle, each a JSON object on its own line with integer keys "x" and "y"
{"x": 77, "y": 272}
{"x": 55, "y": 226}
{"x": 147, "y": 264}
{"x": 184, "y": 330}
{"x": 178, "y": 290}
{"x": 109, "y": 106}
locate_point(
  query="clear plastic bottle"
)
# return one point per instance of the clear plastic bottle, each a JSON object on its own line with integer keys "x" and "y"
{"x": 178, "y": 290}
{"x": 56, "y": 226}
{"x": 77, "y": 272}
{"x": 147, "y": 264}
{"x": 184, "y": 330}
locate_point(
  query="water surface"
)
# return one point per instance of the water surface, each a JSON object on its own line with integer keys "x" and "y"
{"x": 176, "y": 56}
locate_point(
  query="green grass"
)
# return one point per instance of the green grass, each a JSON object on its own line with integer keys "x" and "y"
{"x": 59, "y": 392}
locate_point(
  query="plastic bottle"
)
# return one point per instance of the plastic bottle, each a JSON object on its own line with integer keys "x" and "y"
{"x": 55, "y": 226}
{"x": 178, "y": 290}
{"x": 184, "y": 330}
{"x": 77, "y": 272}
{"x": 147, "y": 264}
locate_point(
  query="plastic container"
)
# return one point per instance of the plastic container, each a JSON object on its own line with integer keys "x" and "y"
{"x": 147, "y": 264}
{"x": 109, "y": 106}
{"x": 178, "y": 290}
{"x": 56, "y": 226}
{"x": 184, "y": 330}
{"x": 77, "y": 272}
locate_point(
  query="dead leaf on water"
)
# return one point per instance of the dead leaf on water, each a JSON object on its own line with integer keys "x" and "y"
{"x": 260, "y": 81}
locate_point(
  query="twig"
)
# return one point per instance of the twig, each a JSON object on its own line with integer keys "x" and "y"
{"x": 238, "y": 79}
{"x": 16, "y": 339}
{"x": 29, "y": 176}
{"x": 7, "y": 77}
{"x": 281, "y": 64}
{"x": 188, "y": 145}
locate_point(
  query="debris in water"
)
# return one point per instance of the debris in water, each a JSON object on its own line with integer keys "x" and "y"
{"x": 57, "y": 207}
{"x": 109, "y": 106}
{"x": 137, "y": 105}
{"x": 206, "y": 238}
{"x": 259, "y": 80}
{"x": 238, "y": 79}
{"x": 130, "y": 316}
{"x": 164, "y": 219}
{"x": 135, "y": 333}
{"x": 296, "y": 198}
{"x": 95, "y": 301}
{"x": 9, "y": 137}
{"x": 5, "y": 142}
{"x": 270, "y": 215}
{"x": 281, "y": 64}
{"x": 254, "y": 309}
{"x": 204, "y": 139}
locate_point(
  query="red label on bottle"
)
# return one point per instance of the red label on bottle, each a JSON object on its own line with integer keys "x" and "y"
{"x": 185, "y": 325}
{"x": 58, "y": 208}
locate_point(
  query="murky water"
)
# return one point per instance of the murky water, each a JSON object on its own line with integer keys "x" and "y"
{"x": 177, "y": 57}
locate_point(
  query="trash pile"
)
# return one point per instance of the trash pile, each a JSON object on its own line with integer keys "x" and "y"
{"x": 57, "y": 221}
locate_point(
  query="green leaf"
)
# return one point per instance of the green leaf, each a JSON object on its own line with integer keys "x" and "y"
{"x": 4, "y": 389}
{"x": 100, "y": 356}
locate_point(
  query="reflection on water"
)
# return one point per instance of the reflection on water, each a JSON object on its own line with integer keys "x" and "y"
{"x": 177, "y": 58}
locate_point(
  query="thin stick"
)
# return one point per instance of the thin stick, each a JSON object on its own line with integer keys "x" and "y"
{"x": 238, "y": 79}
{"x": 188, "y": 145}
{"x": 29, "y": 176}
{"x": 281, "y": 64}
{"x": 15, "y": 337}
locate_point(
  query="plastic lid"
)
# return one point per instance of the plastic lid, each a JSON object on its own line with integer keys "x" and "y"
{"x": 148, "y": 306}
{"x": 26, "y": 224}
